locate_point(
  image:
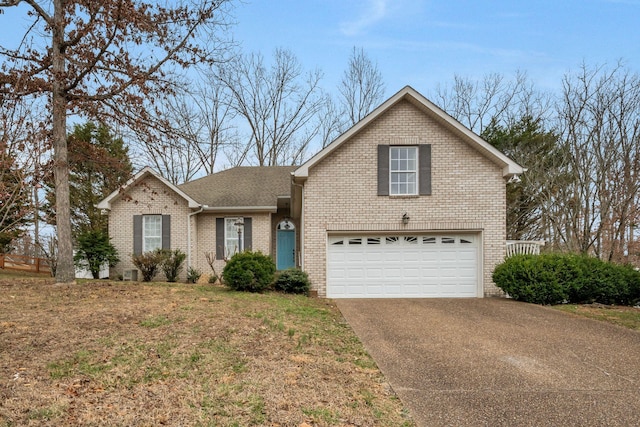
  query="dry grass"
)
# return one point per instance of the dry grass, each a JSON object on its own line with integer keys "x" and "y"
{"x": 128, "y": 354}
{"x": 629, "y": 317}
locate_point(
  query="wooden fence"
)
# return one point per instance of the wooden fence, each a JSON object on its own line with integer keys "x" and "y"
{"x": 24, "y": 263}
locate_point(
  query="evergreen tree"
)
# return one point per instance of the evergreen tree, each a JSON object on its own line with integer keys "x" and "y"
{"x": 538, "y": 150}
{"x": 99, "y": 164}
{"x": 14, "y": 200}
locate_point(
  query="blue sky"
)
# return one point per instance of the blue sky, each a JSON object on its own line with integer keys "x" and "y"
{"x": 426, "y": 42}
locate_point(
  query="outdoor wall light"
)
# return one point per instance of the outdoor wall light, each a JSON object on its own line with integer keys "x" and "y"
{"x": 405, "y": 219}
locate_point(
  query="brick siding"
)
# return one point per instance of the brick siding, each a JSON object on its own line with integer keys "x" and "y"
{"x": 468, "y": 192}
{"x": 148, "y": 197}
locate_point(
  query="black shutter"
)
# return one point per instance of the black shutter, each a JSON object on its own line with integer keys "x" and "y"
{"x": 248, "y": 235}
{"x": 137, "y": 234}
{"x": 219, "y": 238}
{"x": 383, "y": 170}
{"x": 166, "y": 231}
{"x": 424, "y": 173}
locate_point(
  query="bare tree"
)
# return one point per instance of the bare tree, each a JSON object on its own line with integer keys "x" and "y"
{"x": 362, "y": 87}
{"x": 196, "y": 125}
{"x": 599, "y": 119}
{"x": 278, "y": 104}
{"x": 18, "y": 168}
{"x": 102, "y": 60}
{"x": 513, "y": 116}
{"x": 331, "y": 121}
{"x": 492, "y": 99}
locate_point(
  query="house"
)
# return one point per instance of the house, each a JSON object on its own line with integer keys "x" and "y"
{"x": 406, "y": 203}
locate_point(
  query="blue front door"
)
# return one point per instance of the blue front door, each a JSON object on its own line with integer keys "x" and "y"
{"x": 286, "y": 249}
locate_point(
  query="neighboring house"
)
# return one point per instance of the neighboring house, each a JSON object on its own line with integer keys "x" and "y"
{"x": 406, "y": 203}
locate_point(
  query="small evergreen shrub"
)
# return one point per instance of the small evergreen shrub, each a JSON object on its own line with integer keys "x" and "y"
{"x": 172, "y": 264}
{"x": 213, "y": 279}
{"x": 148, "y": 263}
{"x": 293, "y": 281}
{"x": 560, "y": 278}
{"x": 94, "y": 250}
{"x": 193, "y": 275}
{"x": 249, "y": 271}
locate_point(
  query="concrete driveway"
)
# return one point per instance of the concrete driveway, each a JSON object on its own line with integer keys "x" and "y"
{"x": 497, "y": 362}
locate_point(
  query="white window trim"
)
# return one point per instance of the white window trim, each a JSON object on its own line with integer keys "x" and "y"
{"x": 240, "y": 241}
{"x": 145, "y": 236}
{"x": 416, "y": 171}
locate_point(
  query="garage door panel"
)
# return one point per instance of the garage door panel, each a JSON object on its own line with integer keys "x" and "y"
{"x": 411, "y": 273}
{"x": 403, "y": 266}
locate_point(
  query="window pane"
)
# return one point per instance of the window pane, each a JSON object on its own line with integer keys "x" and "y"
{"x": 403, "y": 170}
{"x": 403, "y": 183}
{"x": 151, "y": 232}
{"x": 411, "y": 164}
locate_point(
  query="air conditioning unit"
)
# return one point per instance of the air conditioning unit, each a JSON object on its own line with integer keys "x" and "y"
{"x": 131, "y": 275}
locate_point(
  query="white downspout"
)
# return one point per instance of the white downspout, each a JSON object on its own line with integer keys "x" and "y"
{"x": 189, "y": 235}
{"x": 302, "y": 231}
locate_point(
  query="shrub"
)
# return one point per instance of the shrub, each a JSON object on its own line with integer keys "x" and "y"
{"x": 193, "y": 275}
{"x": 213, "y": 279}
{"x": 633, "y": 282}
{"x": 249, "y": 271}
{"x": 527, "y": 279}
{"x": 292, "y": 281}
{"x": 558, "y": 278}
{"x": 94, "y": 250}
{"x": 148, "y": 263}
{"x": 172, "y": 264}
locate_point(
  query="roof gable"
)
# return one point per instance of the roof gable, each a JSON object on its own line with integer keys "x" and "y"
{"x": 509, "y": 167}
{"x": 142, "y": 174}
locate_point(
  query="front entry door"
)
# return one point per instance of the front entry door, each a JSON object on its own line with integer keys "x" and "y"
{"x": 286, "y": 249}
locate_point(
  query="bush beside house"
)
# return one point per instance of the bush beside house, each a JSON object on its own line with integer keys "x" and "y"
{"x": 567, "y": 278}
{"x": 292, "y": 281}
{"x": 249, "y": 271}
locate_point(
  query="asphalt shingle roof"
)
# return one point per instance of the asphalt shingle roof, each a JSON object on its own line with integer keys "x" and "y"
{"x": 243, "y": 186}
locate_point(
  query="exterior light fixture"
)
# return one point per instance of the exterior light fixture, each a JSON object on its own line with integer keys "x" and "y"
{"x": 240, "y": 225}
{"x": 405, "y": 219}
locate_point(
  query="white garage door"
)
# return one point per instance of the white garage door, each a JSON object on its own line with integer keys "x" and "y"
{"x": 402, "y": 266}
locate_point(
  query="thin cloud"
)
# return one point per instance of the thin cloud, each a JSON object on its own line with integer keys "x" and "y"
{"x": 375, "y": 11}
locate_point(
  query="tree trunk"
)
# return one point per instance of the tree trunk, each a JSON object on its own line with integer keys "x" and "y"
{"x": 65, "y": 272}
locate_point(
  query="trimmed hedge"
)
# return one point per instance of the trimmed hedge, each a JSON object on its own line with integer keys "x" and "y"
{"x": 567, "y": 278}
{"x": 249, "y": 271}
{"x": 292, "y": 281}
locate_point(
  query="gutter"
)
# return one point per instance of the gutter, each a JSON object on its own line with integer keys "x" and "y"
{"x": 239, "y": 209}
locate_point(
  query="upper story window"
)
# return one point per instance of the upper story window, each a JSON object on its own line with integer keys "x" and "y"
{"x": 151, "y": 232}
{"x": 403, "y": 170}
